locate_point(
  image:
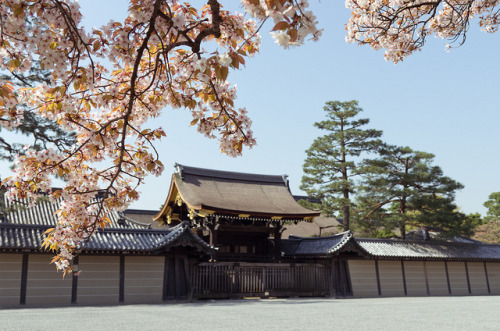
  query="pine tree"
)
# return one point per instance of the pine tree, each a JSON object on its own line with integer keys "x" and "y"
{"x": 405, "y": 188}
{"x": 44, "y": 133}
{"x": 493, "y": 205}
{"x": 332, "y": 159}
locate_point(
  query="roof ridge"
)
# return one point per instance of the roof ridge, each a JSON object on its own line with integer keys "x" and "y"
{"x": 427, "y": 242}
{"x": 131, "y": 220}
{"x": 295, "y": 237}
{"x": 105, "y": 230}
{"x": 223, "y": 174}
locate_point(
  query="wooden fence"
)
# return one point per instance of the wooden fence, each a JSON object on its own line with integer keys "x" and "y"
{"x": 237, "y": 280}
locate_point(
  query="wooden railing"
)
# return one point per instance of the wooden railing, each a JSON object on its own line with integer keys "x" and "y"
{"x": 237, "y": 280}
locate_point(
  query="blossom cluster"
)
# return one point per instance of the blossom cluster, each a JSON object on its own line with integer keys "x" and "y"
{"x": 105, "y": 85}
{"x": 293, "y": 22}
{"x": 400, "y": 27}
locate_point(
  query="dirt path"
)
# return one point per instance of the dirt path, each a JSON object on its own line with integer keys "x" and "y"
{"x": 433, "y": 313}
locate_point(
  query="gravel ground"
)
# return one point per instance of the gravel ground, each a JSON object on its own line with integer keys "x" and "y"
{"x": 423, "y": 313}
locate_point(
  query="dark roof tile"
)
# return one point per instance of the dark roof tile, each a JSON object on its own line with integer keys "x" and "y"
{"x": 324, "y": 247}
{"x": 387, "y": 248}
{"x": 44, "y": 213}
{"x": 237, "y": 193}
{"x": 31, "y": 237}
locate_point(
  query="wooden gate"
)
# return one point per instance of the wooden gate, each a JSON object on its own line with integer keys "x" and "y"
{"x": 176, "y": 283}
{"x": 340, "y": 278}
{"x": 237, "y": 280}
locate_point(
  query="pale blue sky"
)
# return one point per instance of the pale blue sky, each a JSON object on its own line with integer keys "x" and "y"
{"x": 438, "y": 102}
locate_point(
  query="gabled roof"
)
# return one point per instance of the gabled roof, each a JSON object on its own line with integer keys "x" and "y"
{"x": 323, "y": 247}
{"x": 23, "y": 229}
{"x": 234, "y": 193}
{"x": 44, "y": 213}
{"x": 429, "y": 249}
{"x": 17, "y": 237}
{"x": 326, "y": 247}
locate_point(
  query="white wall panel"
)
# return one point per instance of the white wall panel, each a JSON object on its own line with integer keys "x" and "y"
{"x": 144, "y": 279}
{"x": 10, "y": 278}
{"x": 99, "y": 281}
{"x": 46, "y": 286}
{"x": 363, "y": 278}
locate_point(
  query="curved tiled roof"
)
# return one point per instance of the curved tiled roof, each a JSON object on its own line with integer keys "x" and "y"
{"x": 44, "y": 213}
{"x": 181, "y": 235}
{"x": 30, "y": 237}
{"x": 324, "y": 247}
{"x": 319, "y": 246}
{"x": 225, "y": 192}
{"x": 386, "y": 248}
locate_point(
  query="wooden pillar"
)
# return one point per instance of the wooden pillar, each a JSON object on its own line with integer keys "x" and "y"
{"x": 378, "y": 278}
{"x": 74, "y": 283}
{"x": 212, "y": 238}
{"x": 427, "y": 288}
{"x": 468, "y": 278}
{"x": 165, "y": 278}
{"x": 122, "y": 279}
{"x": 277, "y": 242}
{"x": 447, "y": 276}
{"x": 333, "y": 278}
{"x": 24, "y": 279}
{"x": 404, "y": 276}
{"x": 177, "y": 278}
{"x": 487, "y": 279}
{"x": 188, "y": 279}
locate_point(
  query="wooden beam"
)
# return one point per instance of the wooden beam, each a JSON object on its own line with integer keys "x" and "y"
{"x": 277, "y": 243}
{"x": 74, "y": 282}
{"x": 165, "y": 278}
{"x": 427, "y": 289}
{"x": 122, "y": 279}
{"x": 487, "y": 279}
{"x": 188, "y": 278}
{"x": 246, "y": 228}
{"x": 404, "y": 276}
{"x": 24, "y": 279}
{"x": 468, "y": 278}
{"x": 177, "y": 276}
{"x": 447, "y": 276}
{"x": 378, "y": 278}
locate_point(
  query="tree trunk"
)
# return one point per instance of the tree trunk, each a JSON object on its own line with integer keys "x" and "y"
{"x": 345, "y": 177}
{"x": 402, "y": 222}
{"x": 402, "y": 229}
{"x": 346, "y": 212}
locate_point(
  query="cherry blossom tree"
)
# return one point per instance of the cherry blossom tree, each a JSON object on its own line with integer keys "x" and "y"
{"x": 401, "y": 26}
{"x": 106, "y": 83}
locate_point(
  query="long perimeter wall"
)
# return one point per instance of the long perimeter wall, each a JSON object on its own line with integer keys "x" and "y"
{"x": 371, "y": 278}
{"x": 30, "y": 279}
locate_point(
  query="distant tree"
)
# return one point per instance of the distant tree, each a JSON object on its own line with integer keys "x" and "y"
{"x": 331, "y": 160}
{"x": 404, "y": 187}
{"x": 42, "y": 132}
{"x": 493, "y": 205}
{"x": 444, "y": 214}
{"x": 471, "y": 223}
{"x": 488, "y": 232}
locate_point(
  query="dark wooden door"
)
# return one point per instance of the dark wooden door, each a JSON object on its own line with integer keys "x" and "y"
{"x": 341, "y": 280}
{"x": 176, "y": 284}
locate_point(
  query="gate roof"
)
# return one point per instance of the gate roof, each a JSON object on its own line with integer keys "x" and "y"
{"x": 233, "y": 193}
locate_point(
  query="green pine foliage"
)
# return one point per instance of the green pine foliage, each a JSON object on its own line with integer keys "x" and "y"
{"x": 42, "y": 132}
{"x": 405, "y": 188}
{"x": 488, "y": 232}
{"x": 493, "y": 205}
{"x": 331, "y": 162}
